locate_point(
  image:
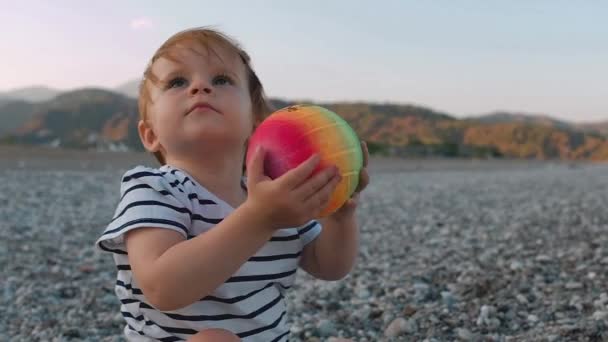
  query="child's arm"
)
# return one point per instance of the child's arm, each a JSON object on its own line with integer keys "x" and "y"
{"x": 174, "y": 272}
{"x": 332, "y": 254}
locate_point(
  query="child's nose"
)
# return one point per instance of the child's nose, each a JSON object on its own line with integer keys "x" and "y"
{"x": 200, "y": 86}
{"x": 196, "y": 90}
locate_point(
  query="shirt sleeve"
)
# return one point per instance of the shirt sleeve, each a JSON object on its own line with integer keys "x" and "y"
{"x": 309, "y": 231}
{"x": 147, "y": 199}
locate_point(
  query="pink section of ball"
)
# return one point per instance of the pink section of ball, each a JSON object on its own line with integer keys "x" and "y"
{"x": 284, "y": 144}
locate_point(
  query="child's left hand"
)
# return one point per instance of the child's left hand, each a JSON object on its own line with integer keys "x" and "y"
{"x": 351, "y": 204}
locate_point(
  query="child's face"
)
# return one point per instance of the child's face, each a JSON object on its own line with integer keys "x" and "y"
{"x": 201, "y": 104}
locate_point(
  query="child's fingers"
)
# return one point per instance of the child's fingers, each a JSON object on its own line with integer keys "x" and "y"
{"x": 365, "y": 153}
{"x": 320, "y": 199}
{"x": 255, "y": 169}
{"x": 296, "y": 176}
{"x": 363, "y": 180}
{"x": 314, "y": 184}
{"x": 351, "y": 203}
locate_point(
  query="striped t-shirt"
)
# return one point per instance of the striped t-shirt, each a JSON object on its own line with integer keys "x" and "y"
{"x": 251, "y": 303}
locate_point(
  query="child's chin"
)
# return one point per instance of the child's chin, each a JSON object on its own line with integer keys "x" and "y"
{"x": 225, "y": 140}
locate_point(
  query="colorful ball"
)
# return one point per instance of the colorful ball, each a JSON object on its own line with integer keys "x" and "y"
{"x": 291, "y": 135}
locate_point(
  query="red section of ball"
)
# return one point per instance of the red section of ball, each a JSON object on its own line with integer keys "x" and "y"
{"x": 284, "y": 143}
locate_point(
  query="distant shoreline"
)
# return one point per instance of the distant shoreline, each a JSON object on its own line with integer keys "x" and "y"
{"x": 20, "y": 157}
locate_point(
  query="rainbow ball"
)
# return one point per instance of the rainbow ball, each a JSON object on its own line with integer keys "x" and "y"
{"x": 293, "y": 134}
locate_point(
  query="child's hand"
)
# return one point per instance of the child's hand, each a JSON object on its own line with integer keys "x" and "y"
{"x": 351, "y": 204}
{"x": 292, "y": 199}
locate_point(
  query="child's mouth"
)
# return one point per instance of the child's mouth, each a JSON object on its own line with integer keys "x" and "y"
{"x": 202, "y": 107}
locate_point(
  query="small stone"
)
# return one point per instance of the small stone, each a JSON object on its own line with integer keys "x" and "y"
{"x": 493, "y": 324}
{"x": 573, "y": 285}
{"x": 333, "y": 306}
{"x": 521, "y": 299}
{"x": 600, "y": 303}
{"x": 543, "y": 258}
{"x": 532, "y": 318}
{"x": 363, "y": 313}
{"x": 295, "y": 328}
{"x": 485, "y": 313}
{"x": 363, "y": 293}
{"x": 516, "y": 265}
{"x": 326, "y": 328}
{"x": 399, "y": 292}
{"x": 118, "y": 318}
{"x": 409, "y": 311}
{"x": 395, "y": 328}
{"x": 86, "y": 268}
{"x": 376, "y": 313}
{"x": 421, "y": 291}
{"x": 464, "y": 334}
{"x": 448, "y": 299}
{"x": 600, "y": 315}
{"x": 109, "y": 299}
{"x": 411, "y": 326}
{"x": 68, "y": 292}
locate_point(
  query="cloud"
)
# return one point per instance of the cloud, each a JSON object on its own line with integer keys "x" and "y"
{"x": 141, "y": 23}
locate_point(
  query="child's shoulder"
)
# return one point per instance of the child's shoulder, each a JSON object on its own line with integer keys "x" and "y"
{"x": 166, "y": 179}
{"x": 141, "y": 172}
{"x": 162, "y": 178}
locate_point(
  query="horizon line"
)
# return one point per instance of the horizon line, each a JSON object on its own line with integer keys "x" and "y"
{"x": 335, "y": 101}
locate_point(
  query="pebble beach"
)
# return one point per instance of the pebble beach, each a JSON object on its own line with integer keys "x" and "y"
{"x": 451, "y": 250}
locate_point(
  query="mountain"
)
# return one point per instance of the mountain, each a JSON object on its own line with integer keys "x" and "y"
{"x": 130, "y": 88}
{"x": 30, "y": 94}
{"x": 524, "y": 118}
{"x": 596, "y": 127}
{"x": 94, "y": 118}
{"x": 410, "y": 130}
{"x": 600, "y": 128}
{"x": 84, "y": 118}
{"x": 43, "y": 93}
{"x": 518, "y": 140}
{"x": 15, "y": 113}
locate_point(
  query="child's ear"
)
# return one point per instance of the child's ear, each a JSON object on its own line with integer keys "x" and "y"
{"x": 147, "y": 136}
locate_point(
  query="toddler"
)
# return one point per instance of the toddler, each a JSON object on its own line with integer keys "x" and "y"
{"x": 204, "y": 253}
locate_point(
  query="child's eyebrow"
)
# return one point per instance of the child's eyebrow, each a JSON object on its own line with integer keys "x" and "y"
{"x": 180, "y": 71}
{"x": 232, "y": 74}
{"x": 172, "y": 74}
{"x": 226, "y": 69}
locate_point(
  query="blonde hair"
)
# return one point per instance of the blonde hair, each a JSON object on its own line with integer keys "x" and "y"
{"x": 207, "y": 38}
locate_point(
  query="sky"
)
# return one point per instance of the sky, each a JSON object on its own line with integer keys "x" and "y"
{"x": 460, "y": 57}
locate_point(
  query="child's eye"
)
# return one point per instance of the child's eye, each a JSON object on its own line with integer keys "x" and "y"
{"x": 176, "y": 82}
{"x": 222, "y": 80}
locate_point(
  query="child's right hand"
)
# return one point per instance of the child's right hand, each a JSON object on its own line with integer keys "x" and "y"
{"x": 292, "y": 199}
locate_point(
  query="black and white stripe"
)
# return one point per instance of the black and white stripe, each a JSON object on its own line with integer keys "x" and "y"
{"x": 250, "y": 303}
